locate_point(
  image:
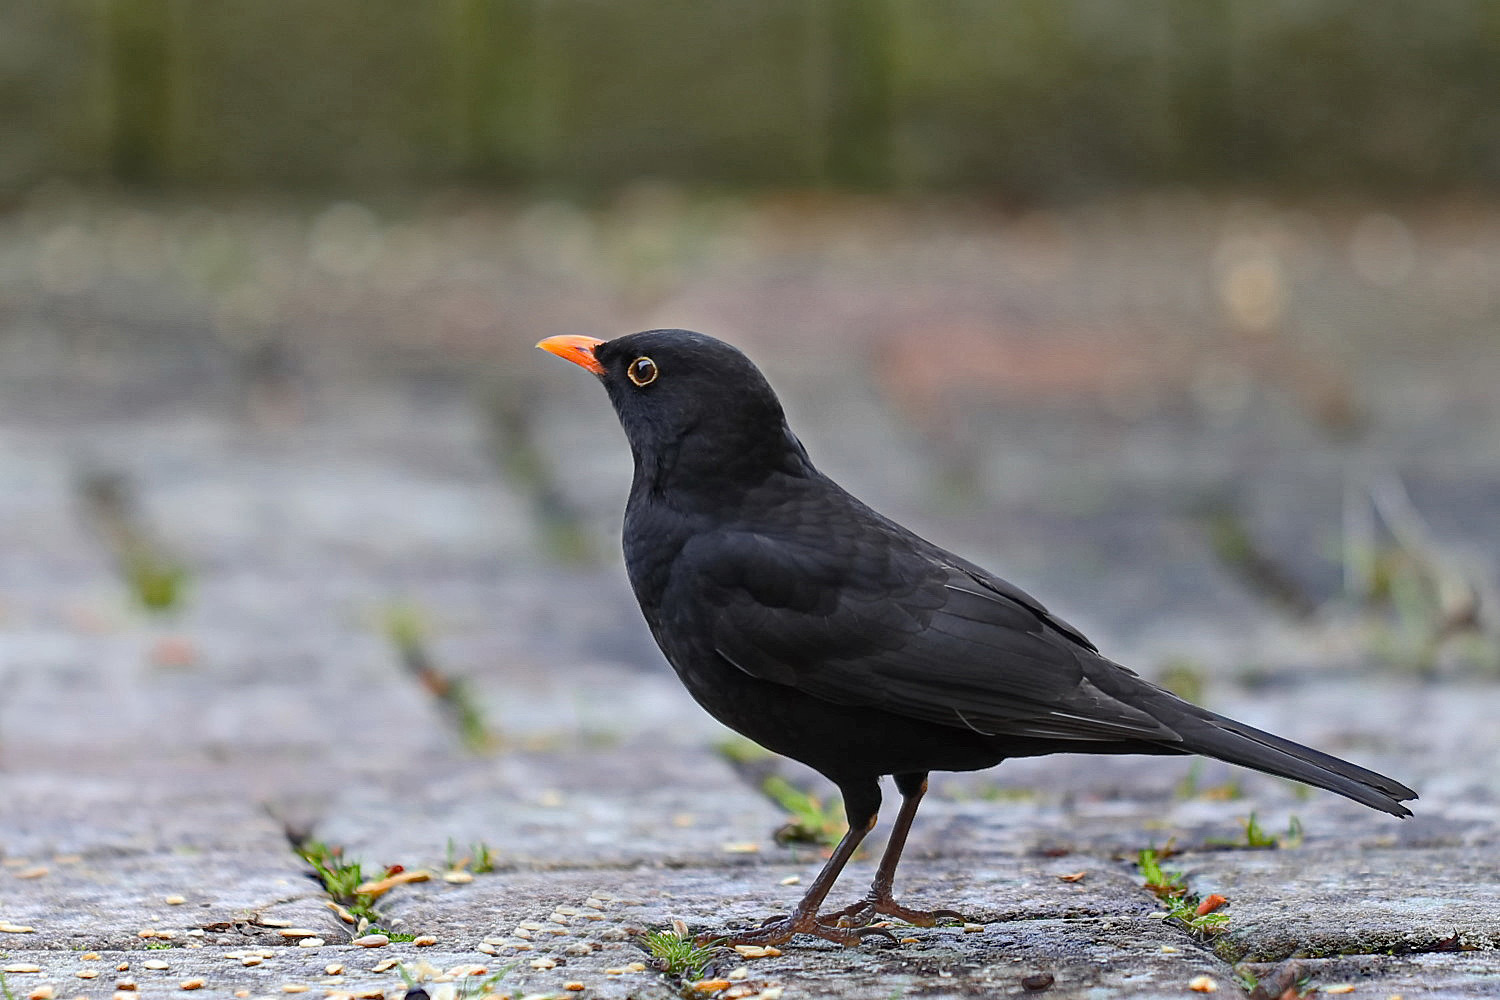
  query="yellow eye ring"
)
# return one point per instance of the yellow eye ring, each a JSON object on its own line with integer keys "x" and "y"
{"x": 642, "y": 371}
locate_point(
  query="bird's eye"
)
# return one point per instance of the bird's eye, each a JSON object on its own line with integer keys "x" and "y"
{"x": 642, "y": 371}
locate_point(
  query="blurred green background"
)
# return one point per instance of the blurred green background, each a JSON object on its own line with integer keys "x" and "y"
{"x": 1021, "y": 98}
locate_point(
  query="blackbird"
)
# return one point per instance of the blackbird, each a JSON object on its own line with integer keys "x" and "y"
{"x": 827, "y": 633}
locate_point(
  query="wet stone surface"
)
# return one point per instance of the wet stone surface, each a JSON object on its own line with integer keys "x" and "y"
{"x": 339, "y": 466}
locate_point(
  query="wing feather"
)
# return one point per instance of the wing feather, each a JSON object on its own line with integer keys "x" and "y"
{"x": 872, "y": 619}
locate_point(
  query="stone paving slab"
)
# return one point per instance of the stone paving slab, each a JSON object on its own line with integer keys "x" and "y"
{"x": 1078, "y": 931}
{"x": 1428, "y": 977}
{"x": 1363, "y": 902}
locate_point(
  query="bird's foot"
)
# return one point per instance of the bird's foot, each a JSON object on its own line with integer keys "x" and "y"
{"x": 779, "y": 930}
{"x": 861, "y": 913}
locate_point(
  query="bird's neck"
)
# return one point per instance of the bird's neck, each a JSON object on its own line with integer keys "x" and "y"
{"x": 696, "y": 470}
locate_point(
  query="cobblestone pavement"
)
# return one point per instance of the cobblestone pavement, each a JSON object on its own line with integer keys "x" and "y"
{"x": 1253, "y": 451}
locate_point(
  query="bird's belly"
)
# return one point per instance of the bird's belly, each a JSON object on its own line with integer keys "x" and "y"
{"x": 839, "y": 741}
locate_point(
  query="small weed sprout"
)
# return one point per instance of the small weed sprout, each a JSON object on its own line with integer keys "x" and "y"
{"x": 5, "y": 990}
{"x": 812, "y": 821}
{"x": 679, "y": 955}
{"x": 1162, "y": 883}
{"x": 341, "y": 879}
{"x": 480, "y": 860}
{"x": 1171, "y": 888}
{"x": 407, "y": 630}
{"x": 1257, "y": 838}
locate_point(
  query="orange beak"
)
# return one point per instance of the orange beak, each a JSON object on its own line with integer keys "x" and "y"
{"x": 575, "y": 348}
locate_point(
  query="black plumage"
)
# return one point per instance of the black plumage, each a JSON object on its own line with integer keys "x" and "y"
{"x": 801, "y": 618}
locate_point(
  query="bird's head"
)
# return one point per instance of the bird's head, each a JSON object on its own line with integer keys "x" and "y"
{"x": 694, "y": 409}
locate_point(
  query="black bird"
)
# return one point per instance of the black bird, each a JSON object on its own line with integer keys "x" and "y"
{"x": 825, "y": 632}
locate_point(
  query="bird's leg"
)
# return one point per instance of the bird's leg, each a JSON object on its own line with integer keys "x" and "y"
{"x": 862, "y": 805}
{"x": 879, "y": 901}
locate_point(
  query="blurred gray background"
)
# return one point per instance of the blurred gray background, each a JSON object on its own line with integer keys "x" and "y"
{"x": 1182, "y": 314}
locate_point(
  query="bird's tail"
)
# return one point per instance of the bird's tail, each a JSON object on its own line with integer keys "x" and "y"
{"x": 1227, "y": 740}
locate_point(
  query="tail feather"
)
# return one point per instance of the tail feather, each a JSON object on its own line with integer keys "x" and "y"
{"x": 1236, "y": 743}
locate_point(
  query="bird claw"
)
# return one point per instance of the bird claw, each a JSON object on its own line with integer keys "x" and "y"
{"x": 866, "y": 910}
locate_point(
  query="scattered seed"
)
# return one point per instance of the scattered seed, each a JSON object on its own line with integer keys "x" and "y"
{"x": 792, "y": 880}
{"x": 342, "y": 913}
{"x": 44, "y": 992}
{"x": 543, "y": 963}
{"x": 711, "y": 985}
{"x": 1075, "y": 877}
{"x": 334, "y": 968}
{"x": 558, "y": 918}
{"x": 273, "y": 922}
{"x": 372, "y": 993}
{"x": 372, "y": 941}
{"x": 155, "y": 964}
{"x": 192, "y": 984}
{"x": 973, "y": 928}
{"x": 578, "y": 948}
{"x": 521, "y": 946}
{"x": 381, "y": 886}
{"x": 197, "y": 932}
{"x": 636, "y": 966}
{"x": 612, "y": 934}
{"x": 522, "y": 932}
{"x": 424, "y": 941}
{"x": 36, "y": 872}
{"x": 1167, "y": 949}
{"x": 125, "y": 983}
{"x": 338, "y": 995}
{"x": 124, "y": 995}
{"x": 386, "y": 964}
{"x": 251, "y": 960}
{"x": 1339, "y": 988}
{"x": 87, "y": 973}
{"x": 297, "y": 932}
{"x": 594, "y": 903}
{"x": 461, "y": 971}
{"x": 9, "y": 928}
{"x": 1203, "y": 984}
{"x": 910, "y": 940}
{"x": 485, "y": 948}
{"x": 91, "y": 956}
{"x": 615, "y": 972}
{"x": 771, "y": 993}
{"x": 311, "y": 943}
{"x": 1037, "y": 982}
{"x": 175, "y": 900}
{"x": 742, "y": 847}
{"x": 743, "y": 972}
{"x": 18, "y": 967}
{"x": 294, "y": 987}
{"x": 574, "y": 986}
{"x": 123, "y": 967}
{"x": 458, "y": 878}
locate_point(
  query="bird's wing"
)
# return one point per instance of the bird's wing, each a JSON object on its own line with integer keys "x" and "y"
{"x": 873, "y": 618}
